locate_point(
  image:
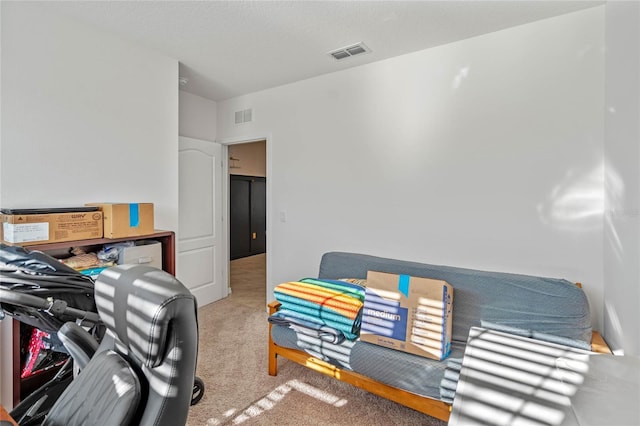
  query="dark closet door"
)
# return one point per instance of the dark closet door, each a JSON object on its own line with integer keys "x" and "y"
{"x": 248, "y": 216}
{"x": 258, "y": 216}
{"x": 240, "y": 220}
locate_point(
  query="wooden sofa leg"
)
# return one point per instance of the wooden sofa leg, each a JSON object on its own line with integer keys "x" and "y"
{"x": 273, "y": 357}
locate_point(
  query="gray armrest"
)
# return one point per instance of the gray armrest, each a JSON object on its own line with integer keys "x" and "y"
{"x": 80, "y": 344}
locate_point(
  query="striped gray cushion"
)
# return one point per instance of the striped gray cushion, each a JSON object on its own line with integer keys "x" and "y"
{"x": 545, "y": 305}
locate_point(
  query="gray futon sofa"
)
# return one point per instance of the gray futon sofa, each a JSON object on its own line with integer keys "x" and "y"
{"x": 546, "y": 308}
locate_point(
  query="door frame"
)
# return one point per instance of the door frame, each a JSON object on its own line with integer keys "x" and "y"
{"x": 226, "y": 204}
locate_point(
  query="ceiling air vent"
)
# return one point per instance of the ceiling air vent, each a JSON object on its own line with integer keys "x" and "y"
{"x": 353, "y": 50}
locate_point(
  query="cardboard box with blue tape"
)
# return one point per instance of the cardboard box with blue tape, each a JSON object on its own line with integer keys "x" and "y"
{"x": 126, "y": 219}
{"x": 409, "y": 314}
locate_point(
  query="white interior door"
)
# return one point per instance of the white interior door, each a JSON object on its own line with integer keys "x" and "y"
{"x": 200, "y": 264}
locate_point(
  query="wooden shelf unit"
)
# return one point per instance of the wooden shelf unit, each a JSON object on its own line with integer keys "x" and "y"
{"x": 168, "y": 241}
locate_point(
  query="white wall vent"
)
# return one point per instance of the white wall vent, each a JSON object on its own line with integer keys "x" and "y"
{"x": 347, "y": 52}
{"x": 244, "y": 116}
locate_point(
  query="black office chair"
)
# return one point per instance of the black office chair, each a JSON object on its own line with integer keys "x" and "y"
{"x": 143, "y": 371}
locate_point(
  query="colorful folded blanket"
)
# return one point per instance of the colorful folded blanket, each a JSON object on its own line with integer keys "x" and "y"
{"x": 336, "y": 304}
{"x": 329, "y": 352}
{"x": 303, "y": 326}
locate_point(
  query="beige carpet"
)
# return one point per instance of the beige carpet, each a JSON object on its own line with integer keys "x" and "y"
{"x": 233, "y": 364}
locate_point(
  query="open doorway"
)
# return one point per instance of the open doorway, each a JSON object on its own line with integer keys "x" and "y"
{"x": 247, "y": 222}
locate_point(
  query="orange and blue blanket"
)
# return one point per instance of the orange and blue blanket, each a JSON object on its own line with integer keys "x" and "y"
{"x": 321, "y": 304}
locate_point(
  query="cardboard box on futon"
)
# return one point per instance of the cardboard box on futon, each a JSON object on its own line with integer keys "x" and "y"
{"x": 409, "y": 314}
{"x": 126, "y": 219}
{"x": 30, "y": 229}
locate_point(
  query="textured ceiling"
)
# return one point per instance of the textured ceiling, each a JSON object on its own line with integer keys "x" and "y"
{"x": 230, "y": 48}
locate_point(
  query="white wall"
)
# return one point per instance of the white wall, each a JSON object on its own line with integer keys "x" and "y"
{"x": 622, "y": 153}
{"x": 485, "y": 153}
{"x": 197, "y": 117}
{"x": 86, "y": 117}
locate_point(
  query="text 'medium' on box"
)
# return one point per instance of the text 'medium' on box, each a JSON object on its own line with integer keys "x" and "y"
{"x": 410, "y": 314}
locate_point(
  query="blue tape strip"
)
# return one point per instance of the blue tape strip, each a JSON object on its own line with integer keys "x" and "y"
{"x": 134, "y": 215}
{"x": 403, "y": 285}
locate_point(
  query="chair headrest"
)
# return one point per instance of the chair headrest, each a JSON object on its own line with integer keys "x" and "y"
{"x": 137, "y": 304}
